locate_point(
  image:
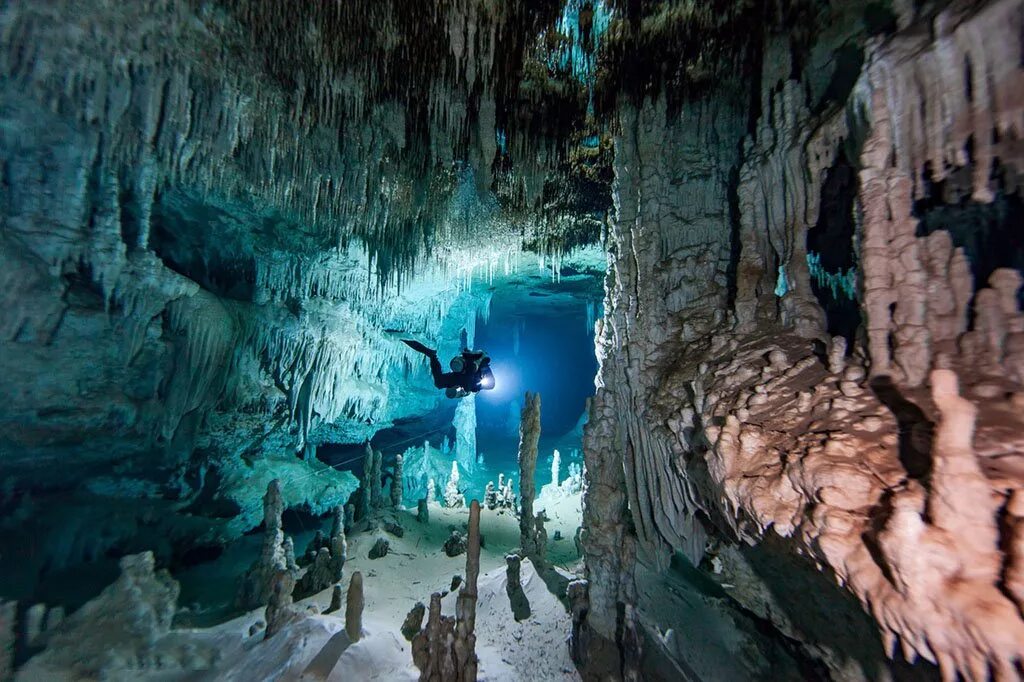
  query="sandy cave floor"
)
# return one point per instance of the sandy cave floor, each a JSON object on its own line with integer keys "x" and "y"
{"x": 416, "y": 566}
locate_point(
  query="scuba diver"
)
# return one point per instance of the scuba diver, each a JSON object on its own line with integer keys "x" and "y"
{"x": 471, "y": 371}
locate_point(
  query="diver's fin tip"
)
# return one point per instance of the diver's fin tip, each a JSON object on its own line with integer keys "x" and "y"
{"x": 417, "y": 346}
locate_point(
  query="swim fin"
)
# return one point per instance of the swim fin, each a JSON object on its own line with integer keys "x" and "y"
{"x": 419, "y": 347}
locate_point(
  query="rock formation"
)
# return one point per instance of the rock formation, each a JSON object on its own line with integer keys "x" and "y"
{"x": 279, "y": 610}
{"x": 455, "y": 544}
{"x": 453, "y": 496}
{"x": 327, "y": 558}
{"x": 715, "y": 415}
{"x": 446, "y": 648}
{"x": 349, "y": 518}
{"x": 376, "y": 485}
{"x": 260, "y": 580}
{"x": 380, "y": 548}
{"x": 514, "y": 588}
{"x": 413, "y": 621}
{"x": 396, "y": 483}
{"x": 328, "y": 561}
{"x": 335, "y": 604}
{"x": 529, "y": 436}
{"x": 119, "y": 633}
{"x": 365, "y": 485}
{"x": 556, "y": 461}
{"x": 354, "y": 608}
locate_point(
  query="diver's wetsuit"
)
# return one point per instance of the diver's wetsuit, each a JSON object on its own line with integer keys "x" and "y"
{"x": 467, "y": 380}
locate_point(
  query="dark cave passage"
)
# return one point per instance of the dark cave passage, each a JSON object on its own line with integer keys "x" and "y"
{"x": 989, "y": 233}
{"x": 832, "y": 250}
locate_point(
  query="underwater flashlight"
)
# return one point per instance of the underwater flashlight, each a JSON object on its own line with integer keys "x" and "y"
{"x": 487, "y": 380}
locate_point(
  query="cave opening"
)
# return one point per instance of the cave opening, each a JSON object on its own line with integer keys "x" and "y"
{"x": 546, "y": 346}
{"x": 989, "y": 232}
{"x": 205, "y": 243}
{"x": 832, "y": 250}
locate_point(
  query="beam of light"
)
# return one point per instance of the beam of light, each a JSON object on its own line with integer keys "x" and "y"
{"x": 506, "y": 382}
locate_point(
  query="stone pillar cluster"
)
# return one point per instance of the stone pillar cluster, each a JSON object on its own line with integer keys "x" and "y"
{"x": 445, "y": 650}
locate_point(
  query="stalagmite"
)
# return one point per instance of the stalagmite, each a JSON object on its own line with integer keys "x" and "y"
{"x": 514, "y": 588}
{"x": 335, "y": 604}
{"x": 446, "y": 648}
{"x": 276, "y": 555}
{"x": 422, "y": 511}
{"x": 453, "y": 496}
{"x": 529, "y": 437}
{"x": 464, "y": 646}
{"x": 465, "y": 433}
{"x": 365, "y": 485}
{"x": 396, "y": 484}
{"x": 354, "y": 608}
{"x": 279, "y": 611}
{"x": 837, "y": 355}
{"x": 34, "y": 616}
{"x": 328, "y": 557}
{"x": 288, "y": 546}
{"x": 350, "y": 515}
{"x": 375, "y": 486}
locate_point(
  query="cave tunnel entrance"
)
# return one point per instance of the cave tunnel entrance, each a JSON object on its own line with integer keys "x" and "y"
{"x": 540, "y": 337}
{"x": 990, "y": 234}
{"x": 831, "y": 250}
{"x": 542, "y": 343}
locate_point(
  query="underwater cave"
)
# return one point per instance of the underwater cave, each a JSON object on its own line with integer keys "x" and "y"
{"x": 603, "y": 340}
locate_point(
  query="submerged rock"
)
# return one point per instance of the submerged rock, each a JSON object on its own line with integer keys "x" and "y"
{"x": 120, "y": 632}
{"x": 380, "y": 548}
{"x": 455, "y": 544}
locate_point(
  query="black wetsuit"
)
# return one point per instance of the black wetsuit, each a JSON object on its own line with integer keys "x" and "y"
{"x": 469, "y": 380}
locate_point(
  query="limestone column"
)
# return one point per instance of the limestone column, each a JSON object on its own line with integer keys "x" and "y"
{"x": 529, "y": 437}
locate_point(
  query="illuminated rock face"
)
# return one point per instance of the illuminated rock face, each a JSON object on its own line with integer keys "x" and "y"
{"x": 725, "y": 411}
{"x": 200, "y": 262}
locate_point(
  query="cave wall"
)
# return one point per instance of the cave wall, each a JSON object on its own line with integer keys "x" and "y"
{"x": 206, "y": 266}
{"x": 730, "y": 427}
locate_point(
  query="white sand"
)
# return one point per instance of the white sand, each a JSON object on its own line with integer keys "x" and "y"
{"x": 534, "y": 649}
